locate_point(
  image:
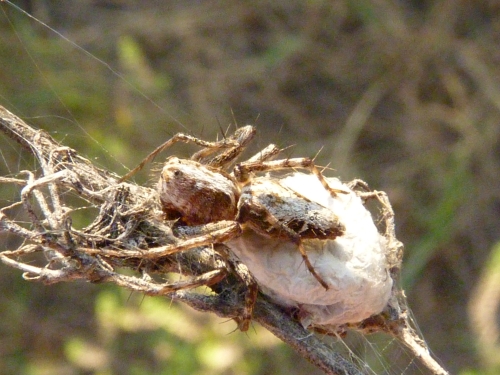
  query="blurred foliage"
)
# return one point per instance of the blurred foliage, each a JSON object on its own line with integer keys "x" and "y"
{"x": 483, "y": 311}
{"x": 404, "y": 94}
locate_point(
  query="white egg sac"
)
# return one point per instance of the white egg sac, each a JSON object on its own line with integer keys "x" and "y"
{"x": 353, "y": 265}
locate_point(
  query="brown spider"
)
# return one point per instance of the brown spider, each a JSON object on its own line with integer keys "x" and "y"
{"x": 200, "y": 194}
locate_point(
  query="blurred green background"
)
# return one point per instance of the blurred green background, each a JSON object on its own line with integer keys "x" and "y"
{"x": 403, "y": 94}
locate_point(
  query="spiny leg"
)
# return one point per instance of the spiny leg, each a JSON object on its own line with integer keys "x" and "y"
{"x": 244, "y": 275}
{"x": 179, "y": 137}
{"x": 233, "y": 229}
{"x": 266, "y": 154}
{"x": 243, "y": 171}
{"x": 238, "y": 141}
{"x": 362, "y": 190}
{"x": 310, "y": 266}
{"x": 220, "y": 232}
{"x": 250, "y": 298}
{"x": 205, "y": 279}
{"x": 357, "y": 184}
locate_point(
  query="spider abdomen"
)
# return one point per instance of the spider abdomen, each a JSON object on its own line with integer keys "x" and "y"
{"x": 196, "y": 194}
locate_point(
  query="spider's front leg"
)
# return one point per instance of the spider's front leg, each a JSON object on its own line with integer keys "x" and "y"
{"x": 243, "y": 171}
{"x": 238, "y": 141}
{"x": 203, "y": 235}
{"x": 230, "y": 143}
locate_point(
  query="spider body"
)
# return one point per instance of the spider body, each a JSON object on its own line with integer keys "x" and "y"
{"x": 200, "y": 192}
{"x": 196, "y": 194}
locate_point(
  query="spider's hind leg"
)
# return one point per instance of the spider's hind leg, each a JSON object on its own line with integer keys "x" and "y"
{"x": 252, "y": 288}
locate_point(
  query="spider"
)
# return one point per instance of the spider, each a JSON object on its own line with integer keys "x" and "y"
{"x": 199, "y": 194}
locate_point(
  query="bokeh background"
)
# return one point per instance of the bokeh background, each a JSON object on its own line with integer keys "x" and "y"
{"x": 403, "y": 94}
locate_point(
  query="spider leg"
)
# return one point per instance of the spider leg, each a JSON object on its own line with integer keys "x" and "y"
{"x": 221, "y": 232}
{"x": 250, "y": 299}
{"x": 243, "y": 171}
{"x": 237, "y": 144}
{"x": 244, "y": 274}
{"x": 266, "y": 154}
{"x": 205, "y": 279}
{"x": 179, "y": 137}
{"x": 310, "y": 266}
{"x": 239, "y": 268}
